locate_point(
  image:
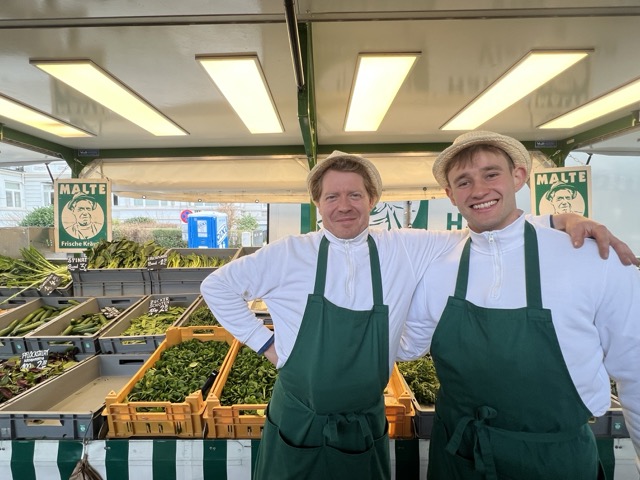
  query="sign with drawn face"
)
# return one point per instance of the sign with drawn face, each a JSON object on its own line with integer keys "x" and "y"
{"x": 82, "y": 214}
{"x": 561, "y": 190}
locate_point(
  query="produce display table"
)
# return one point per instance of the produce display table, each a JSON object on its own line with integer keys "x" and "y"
{"x": 181, "y": 459}
{"x": 231, "y": 455}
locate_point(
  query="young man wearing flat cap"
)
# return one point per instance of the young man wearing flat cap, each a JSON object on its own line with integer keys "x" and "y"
{"x": 338, "y": 299}
{"x": 523, "y": 359}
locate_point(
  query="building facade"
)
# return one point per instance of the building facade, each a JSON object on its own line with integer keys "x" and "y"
{"x": 23, "y": 189}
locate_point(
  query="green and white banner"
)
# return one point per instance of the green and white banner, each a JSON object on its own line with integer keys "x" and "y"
{"x": 166, "y": 459}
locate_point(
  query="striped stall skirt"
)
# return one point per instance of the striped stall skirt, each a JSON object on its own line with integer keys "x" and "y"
{"x": 166, "y": 459}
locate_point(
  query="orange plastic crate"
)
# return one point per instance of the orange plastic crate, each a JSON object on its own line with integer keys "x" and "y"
{"x": 231, "y": 421}
{"x": 242, "y": 421}
{"x": 184, "y": 419}
{"x": 398, "y": 406}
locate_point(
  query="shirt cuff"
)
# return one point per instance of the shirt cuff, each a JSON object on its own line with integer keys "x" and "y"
{"x": 266, "y": 345}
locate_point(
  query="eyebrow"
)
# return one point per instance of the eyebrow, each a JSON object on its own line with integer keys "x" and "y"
{"x": 489, "y": 168}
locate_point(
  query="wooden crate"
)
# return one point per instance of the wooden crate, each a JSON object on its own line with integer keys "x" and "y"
{"x": 184, "y": 419}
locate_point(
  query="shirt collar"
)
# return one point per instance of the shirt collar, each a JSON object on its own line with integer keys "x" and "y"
{"x": 509, "y": 237}
{"x": 360, "y": 239}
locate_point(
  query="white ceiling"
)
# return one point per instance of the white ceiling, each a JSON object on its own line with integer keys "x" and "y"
{"x": 151, "y": 47}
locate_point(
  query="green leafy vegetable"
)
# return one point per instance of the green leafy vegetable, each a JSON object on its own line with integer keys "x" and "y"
{"x": 422, "y": 379}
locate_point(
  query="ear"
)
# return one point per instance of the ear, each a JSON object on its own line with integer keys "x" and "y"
{"x": 449, "y": 193}
{"x": 519, "y": 177}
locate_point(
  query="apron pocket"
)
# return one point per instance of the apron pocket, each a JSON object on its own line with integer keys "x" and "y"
{"x": 442, "y": 465}
{"x": 373, "y": 463}
{"x": 278, "y": 459}
{"x": 529, "y": 456}
{"x": 297, "y": 423}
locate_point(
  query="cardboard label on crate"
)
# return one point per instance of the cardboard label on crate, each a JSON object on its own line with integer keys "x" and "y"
{"x": 158, "y": 305}
{"x": 78, "y": 264}
{"x": 157, "y": 262}
{"x": 34, "y": 359}
{"x": 49, "y": 284}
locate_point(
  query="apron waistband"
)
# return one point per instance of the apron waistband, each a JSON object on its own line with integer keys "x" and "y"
{"x": 482, "y": 452}
{"x": 330, "y": 429}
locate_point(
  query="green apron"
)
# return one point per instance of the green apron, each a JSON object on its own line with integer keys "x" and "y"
{"x": 326, "y": 418}
{"x": 507, "y": 407}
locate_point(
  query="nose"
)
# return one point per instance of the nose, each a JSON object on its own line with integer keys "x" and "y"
{"x": 479, "y": 189}
{"x": 344, "y": 204}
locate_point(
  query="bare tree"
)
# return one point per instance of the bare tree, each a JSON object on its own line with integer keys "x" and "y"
{"x": 231, "y": 210}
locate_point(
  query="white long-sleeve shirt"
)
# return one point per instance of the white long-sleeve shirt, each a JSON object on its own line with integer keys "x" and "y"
{"x": 595, "y": 306}
{"x": 283, "y": 275}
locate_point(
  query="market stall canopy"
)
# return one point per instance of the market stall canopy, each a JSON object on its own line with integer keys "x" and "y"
{"x": 263, "y": 180}
{"x": 155, "y": 50}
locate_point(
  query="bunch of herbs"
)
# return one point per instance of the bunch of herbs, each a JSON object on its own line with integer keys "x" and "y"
{"x": 181, "y": 370}
{"x": 422, "y": 379}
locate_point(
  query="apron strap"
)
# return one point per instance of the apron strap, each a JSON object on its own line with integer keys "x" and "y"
{"x": 482, "y": 453}
{"x": 483, "y": 459}
{"x": 321, "y": 268}
{"x": 531, "y": 265}
{"x": 330, "y": 429}
{"x": 374, "y": 260}
{"x": 463, "y": 272}
{"x": 376, "y": 276}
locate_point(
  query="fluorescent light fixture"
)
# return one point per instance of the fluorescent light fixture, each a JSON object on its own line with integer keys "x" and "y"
{"x": 241, "y": 81}
{"x": 610, "y": 102}
{"x": 95, "y": 83}
{"x": 19, "y": 112}
{"x": 532, "y": 71}
{"x": 378, "y": 79}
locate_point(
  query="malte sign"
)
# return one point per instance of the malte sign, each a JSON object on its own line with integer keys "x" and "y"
{"x": 82, "y": 214}
{"x": 561, "y": 190}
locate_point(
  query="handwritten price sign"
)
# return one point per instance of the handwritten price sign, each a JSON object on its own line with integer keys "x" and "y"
{"x": 157, "y": 262}
{"x": 34, "y": 359}
{"x": 50, "y": 284}
{"x": 158, "y": 305}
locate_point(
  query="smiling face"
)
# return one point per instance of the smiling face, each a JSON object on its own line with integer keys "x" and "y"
{"x": 483, "y": 187}
{"x": 344, "y": 204}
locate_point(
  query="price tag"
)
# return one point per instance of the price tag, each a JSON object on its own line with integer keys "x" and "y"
{"x": 49, "y": 284}
{"x": 157, "y": 262}
{"x": 110, "y": 312}
{"x": 158, "y": 305}
{"x": 77, "y": 264}
{"x": 34, "y": 359}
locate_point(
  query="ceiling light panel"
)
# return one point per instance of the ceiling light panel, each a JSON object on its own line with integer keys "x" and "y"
{"x": 95, "y": 83}
{"x": 241, "y": 80}
{"x": 377, "y": 81}
{"x": 19, "y": 112}
{"x": 610, "y": 102}
{"x": 533, "y": 71}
